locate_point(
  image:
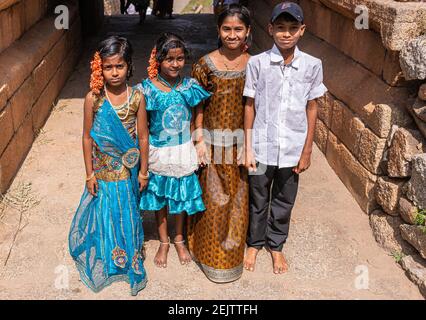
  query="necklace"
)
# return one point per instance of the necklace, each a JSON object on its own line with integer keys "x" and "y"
{"x": 114, "y": 107}
{"x": 166, "y": 83}
{"x": 226, "y": 65}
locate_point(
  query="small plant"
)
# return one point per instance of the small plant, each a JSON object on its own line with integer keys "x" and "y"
{"x": 397, "y": 255}
{"x": 420, "y": 218}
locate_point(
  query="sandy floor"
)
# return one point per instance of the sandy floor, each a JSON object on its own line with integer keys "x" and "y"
{"x": 331, "y": 250}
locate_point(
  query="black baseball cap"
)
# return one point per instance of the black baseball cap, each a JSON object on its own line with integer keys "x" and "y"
{"x": 291, "y": 8}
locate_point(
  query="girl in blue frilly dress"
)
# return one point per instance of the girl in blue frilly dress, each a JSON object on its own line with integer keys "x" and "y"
{"x": 173, "y": 186}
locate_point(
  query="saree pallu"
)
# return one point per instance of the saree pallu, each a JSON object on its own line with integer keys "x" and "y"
{"x": 106, "y": 235}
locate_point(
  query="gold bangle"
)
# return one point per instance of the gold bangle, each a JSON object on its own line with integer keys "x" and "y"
{"x": 144, "y": 177}
{"x": 92, "y": 175}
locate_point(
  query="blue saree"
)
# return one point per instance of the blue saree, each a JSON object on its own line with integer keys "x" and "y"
{"x": 106, "y": 235}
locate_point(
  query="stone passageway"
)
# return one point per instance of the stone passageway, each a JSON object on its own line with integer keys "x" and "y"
{"x": 331, "y": 249}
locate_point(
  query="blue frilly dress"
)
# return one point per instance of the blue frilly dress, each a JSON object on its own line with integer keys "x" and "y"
{"x": 172, "y": 156}
{"x": 106, "y": 235}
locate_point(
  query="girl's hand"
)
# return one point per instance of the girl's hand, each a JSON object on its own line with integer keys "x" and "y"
{"x": 143, "y": 182}
{"x": 241, "y": 156}
{"x": 304, "y": 163}
{"x": 201, "y": 153}
{"x": 92, "y": 186}
{"x": 250, "y": 161}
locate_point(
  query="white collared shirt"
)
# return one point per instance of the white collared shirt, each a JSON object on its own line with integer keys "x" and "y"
{"x": 281, "y": 93}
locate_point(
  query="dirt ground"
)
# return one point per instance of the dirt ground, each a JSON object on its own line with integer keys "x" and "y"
{"x": 331, "y": 249}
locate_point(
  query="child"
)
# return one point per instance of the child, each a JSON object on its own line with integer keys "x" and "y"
{"x": 222, "y": 228}
{"x": 172, "y": 186}
{"x": 282, "y": 86}
{"x": 106, "y": 235}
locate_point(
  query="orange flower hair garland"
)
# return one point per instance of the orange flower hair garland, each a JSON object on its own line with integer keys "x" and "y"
{"x": 153, "y": 64}
{"x": 96, "y": 78}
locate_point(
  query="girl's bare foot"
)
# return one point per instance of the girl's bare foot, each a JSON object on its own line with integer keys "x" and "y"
{"x": 160, "y": 259}
{"x": 183, "y": 254}
{"x": 250, "y": 258}
{"x": 279, "y": 262}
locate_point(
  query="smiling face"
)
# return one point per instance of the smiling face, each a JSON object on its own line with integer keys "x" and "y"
{"x": 286, "y": 32}
{"x": 233, "y": 32}
{"x": 173, "y": 63}
{"x": 115, "y": 70}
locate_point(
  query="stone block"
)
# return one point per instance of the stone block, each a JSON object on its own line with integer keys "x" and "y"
{"x": 407, "y": 210}
{"x": 419, "y": 108}
{"x": 416, "y": 236}
{"x": 406, "y": 143}
{"x": 416, "y": 185}
{"x": 422, "y": 92}
{"x": 371, "y": 149}
{"x": 21, "y": 102}
{"x": 388, "y": 192}
{"x": 387, "y": 233}
{"x": 358, "y": 180}
{"x": 325, "y": 108}
{"x": 321, "y": 135}
{"x": 347, "y": 127}
{"x": 6, "y": 125}
{"x": 413, "y": 59}
{"x": 392, "y": 72}
{"x": 415, "y": 268}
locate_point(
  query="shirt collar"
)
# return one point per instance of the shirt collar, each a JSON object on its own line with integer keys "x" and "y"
{"x": 278, "y": 58}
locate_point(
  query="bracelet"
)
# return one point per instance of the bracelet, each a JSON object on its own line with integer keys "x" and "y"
{"x": 144, "y": 177}
{"x": 92, "y": 175}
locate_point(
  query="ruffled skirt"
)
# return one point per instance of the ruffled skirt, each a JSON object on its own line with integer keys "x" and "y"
{"x": 172, "y": 181}
{"x": 106, "y": 237}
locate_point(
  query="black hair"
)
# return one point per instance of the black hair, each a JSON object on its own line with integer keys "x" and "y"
{"x": 168, "y": 41}
{"x": 117, "y": 45}
{"x": 287, "y": 18}
{"x": 232, "y": 10}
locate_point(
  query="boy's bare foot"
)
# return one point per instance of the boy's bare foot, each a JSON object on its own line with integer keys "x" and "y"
{"x": 279, "y": 262}
{"x": 250, "y": 258}
{"x": 183, "y": 253}
{"x": 160, "y": 259}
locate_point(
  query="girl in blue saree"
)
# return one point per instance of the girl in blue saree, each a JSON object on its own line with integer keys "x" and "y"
{"x": 173, "y": 186}
{"x": 106, "y": 236}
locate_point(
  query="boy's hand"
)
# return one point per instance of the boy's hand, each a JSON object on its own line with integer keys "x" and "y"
{"x": 92, "y": 186}
{"x": 250, "y": 161}
{"x": 304, "y": 163}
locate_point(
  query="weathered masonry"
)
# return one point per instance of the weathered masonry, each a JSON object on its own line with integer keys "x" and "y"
{"x": 372, "y": 122}
{"x": 36, "y": 59}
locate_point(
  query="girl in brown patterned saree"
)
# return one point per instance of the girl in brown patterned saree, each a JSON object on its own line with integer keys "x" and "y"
{"x": 217, "y": 237}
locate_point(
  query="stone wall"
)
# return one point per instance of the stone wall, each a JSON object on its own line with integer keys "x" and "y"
{"x": 35, "y": 62}
{"x": 371, "y": 123}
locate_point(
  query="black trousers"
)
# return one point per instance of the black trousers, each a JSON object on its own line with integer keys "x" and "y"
{"x": 272, "y": 230}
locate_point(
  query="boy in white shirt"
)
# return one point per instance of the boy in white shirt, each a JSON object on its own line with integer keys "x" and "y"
{"x": 282, "y": 86}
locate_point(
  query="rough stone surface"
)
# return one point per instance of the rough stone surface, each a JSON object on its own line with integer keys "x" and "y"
{"x": 413, "y": 58}
{"x": 419, "y": 109}
{"x": 371, "y": 149}
{"x": 405, "y": 144}
{"x": 415, "y": 268}
{"x": 387, "y": 233}
{"x": 359, "y": 181}
{"x": 321, "y": 135}
{"x": 387, "y": 192}
{"x": 422, "y": 92}
{"x": 416, "y": 236}
{"x": 407, "y": 210}
{"x": 416, "y": 185}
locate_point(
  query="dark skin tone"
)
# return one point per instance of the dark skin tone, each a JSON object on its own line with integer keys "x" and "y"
{"x": 170, "y": 70}
{"x": 115, "y": 70}
{"x": 233, "y": 33}
{"x": 286, "y": 34}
